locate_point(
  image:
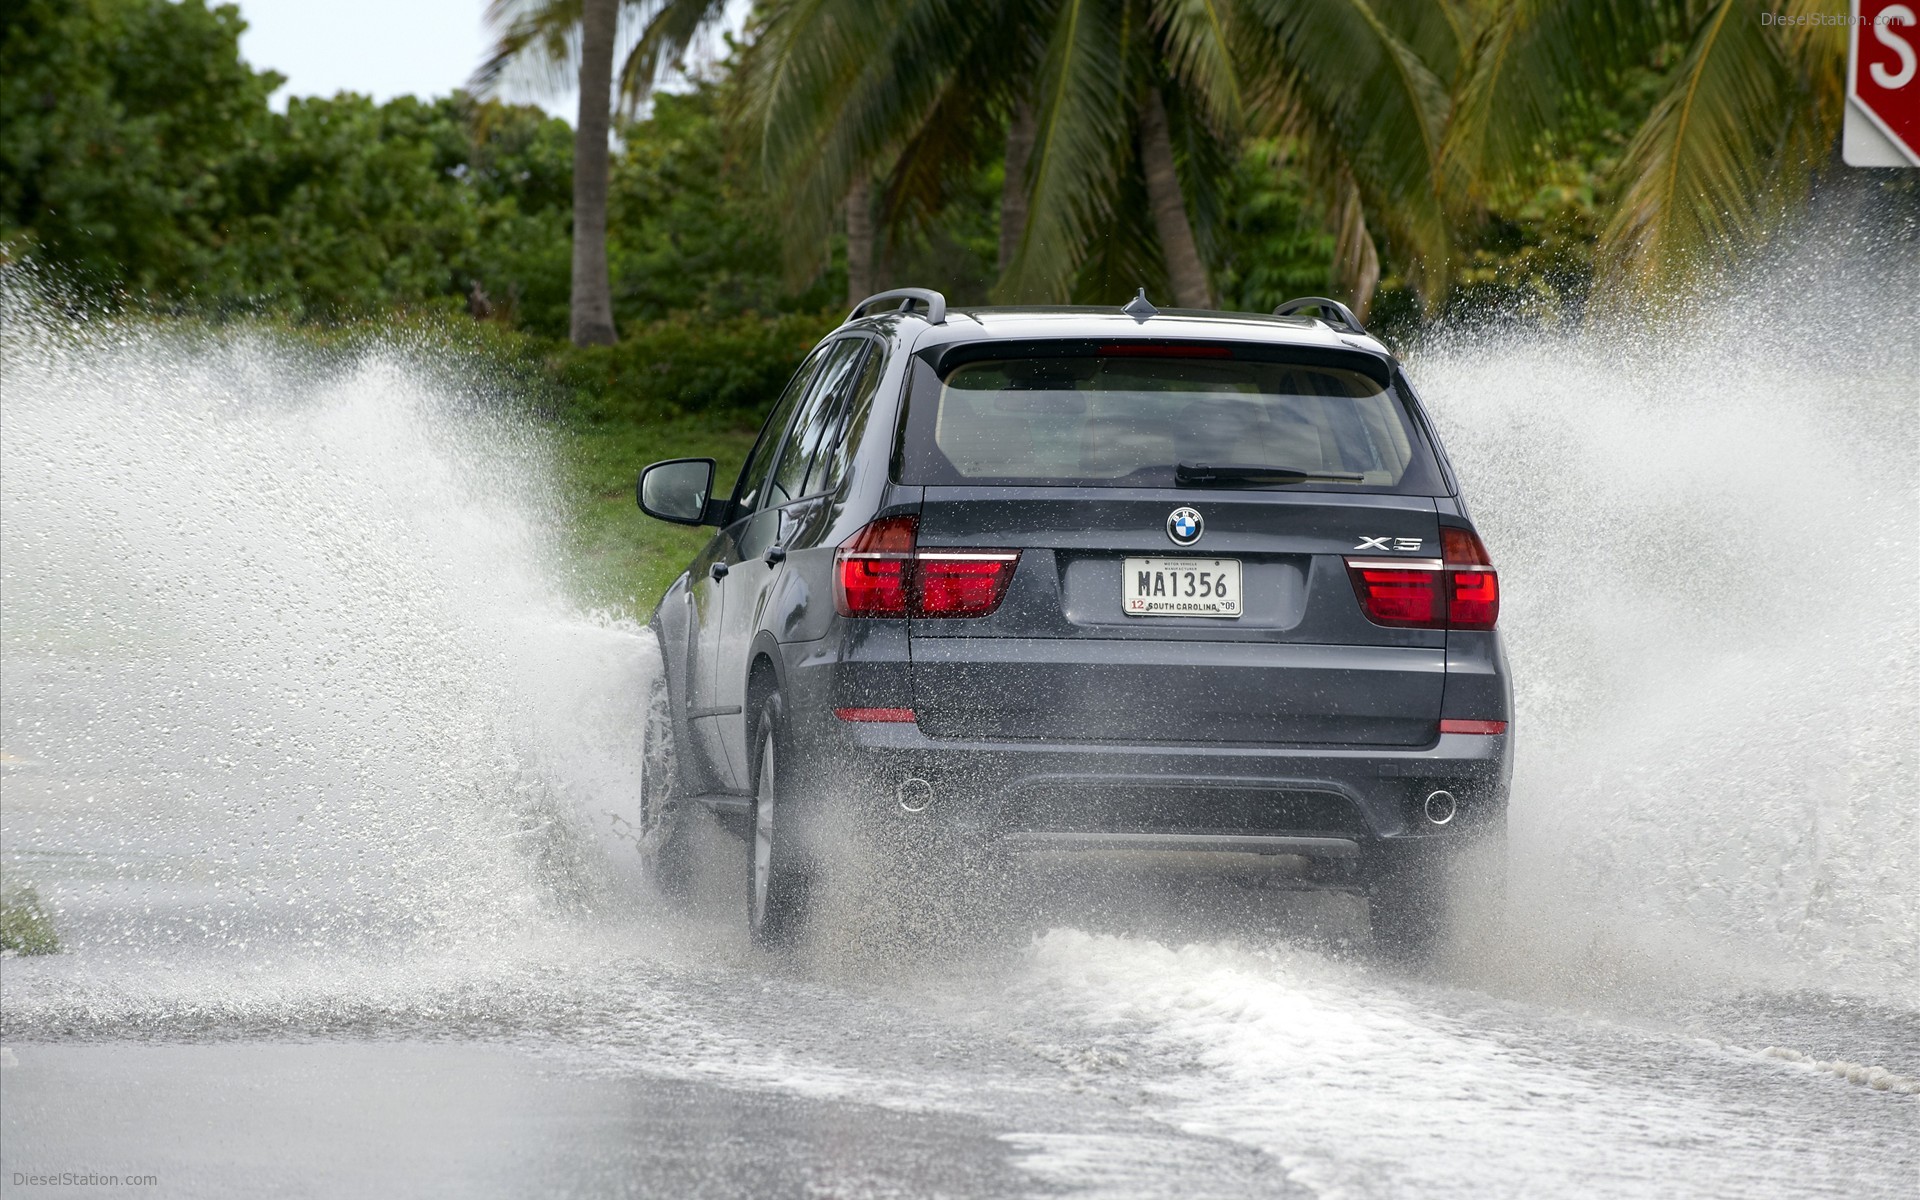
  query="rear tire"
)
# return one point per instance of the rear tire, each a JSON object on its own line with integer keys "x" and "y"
{"x": 777, "y": 879}
{"x": 665, "y": 858}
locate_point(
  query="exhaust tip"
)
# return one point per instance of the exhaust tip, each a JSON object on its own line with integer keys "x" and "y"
{"x": 915, "y": 795}
{"x": 1440, "y": 807}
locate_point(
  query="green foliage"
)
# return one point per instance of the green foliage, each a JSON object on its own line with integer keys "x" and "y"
{"x": 1273, "y": 243}
{"x": 690, "y": 228}
{"x": 120, "y": 122}
{"x": 1533, "y": 251}
{"x": 623, "y": 560}
{"x": 689, "y": 363}
{"x": 25, "y": 927}
{"x": 198, "y": 199}
{"x": 141, "y": 158}
{"x": 1344, "y": 81}
{"x": 351, "y": 208}
{"x": 1742, "y": 121}
{"x": 1368, "y": 115}
{"x": 1702, "y": 174}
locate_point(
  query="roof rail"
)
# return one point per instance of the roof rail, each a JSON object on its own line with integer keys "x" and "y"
{"x": 1331, "y": 311}
{"x": 935, "y": 302}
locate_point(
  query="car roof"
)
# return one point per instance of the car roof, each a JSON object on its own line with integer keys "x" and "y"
{"x": 972, "y": 325}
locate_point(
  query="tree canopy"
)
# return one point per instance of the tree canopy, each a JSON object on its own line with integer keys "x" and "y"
{"x": 1512, "y": 148}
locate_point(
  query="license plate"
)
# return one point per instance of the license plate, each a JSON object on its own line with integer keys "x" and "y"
{"x": 1180, "y": 587}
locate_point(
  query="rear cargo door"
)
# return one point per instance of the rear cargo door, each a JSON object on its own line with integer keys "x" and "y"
{"x": 1064, "y": 658}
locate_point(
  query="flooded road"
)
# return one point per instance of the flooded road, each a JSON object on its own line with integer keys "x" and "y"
{"x": 614, "y": 1060}
{"x": 323, "y": 779}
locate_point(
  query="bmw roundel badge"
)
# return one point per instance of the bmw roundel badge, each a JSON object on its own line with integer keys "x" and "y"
{"x": 1184, "y": 526}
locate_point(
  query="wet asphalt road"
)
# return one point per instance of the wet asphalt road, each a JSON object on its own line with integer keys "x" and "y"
{"x": 437, "y": 1119}
{"x": 1149, "y": 1049}
{"x": 304, "y": 998}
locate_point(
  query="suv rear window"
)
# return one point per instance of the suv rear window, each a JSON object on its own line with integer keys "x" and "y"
{"x": 1121, "y": 417}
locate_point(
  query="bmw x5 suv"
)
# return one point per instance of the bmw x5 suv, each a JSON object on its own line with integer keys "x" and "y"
{"x": 1078, "y": 578}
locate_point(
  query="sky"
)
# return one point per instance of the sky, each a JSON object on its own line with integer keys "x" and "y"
{"x": 381, "y": 48}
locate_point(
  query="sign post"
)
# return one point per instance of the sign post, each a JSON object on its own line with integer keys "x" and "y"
{"x": 1882, "y": 127}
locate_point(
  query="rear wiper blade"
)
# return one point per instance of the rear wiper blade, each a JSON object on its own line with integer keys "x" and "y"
{"x": 1228, "y": 474}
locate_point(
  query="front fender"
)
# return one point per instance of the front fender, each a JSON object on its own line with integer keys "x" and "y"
{"x": 672, "y": 625}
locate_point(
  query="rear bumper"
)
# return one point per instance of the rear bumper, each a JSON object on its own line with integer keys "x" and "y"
{"x": 1322, "y": 802}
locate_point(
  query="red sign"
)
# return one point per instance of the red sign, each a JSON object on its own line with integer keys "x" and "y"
{"x": 1883, "y": 70}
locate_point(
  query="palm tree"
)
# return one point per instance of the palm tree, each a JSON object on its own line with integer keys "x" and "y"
{"x": 1744, "y": 120}
{"x": 1361, "y": 90}
{"x": 549, "y": 33}
{"x": 1122, "y": 96}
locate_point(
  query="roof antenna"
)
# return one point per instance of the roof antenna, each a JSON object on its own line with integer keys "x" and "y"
{"x": 1139, "y": 308}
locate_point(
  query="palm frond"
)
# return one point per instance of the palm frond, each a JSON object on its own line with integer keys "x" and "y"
{"x": 837, "y": 87}
{"x": 1082, "y": 128}
{"x": 961, "y": 133}
{"x": 537, "y": 36}
{"x": 1205, "y": 159}
{"x": 1439, "y": 32}
{"x": 540, "y": 39}
{"x": 1703, "y": 173}
{"x": 1197, "y": 40}
{"x": 1536, "y": 60}
{"x": 1816, "y": 51}
{"x": 1128, "y": 255}
{"x": 1356, "y": 261}
{"x": 1346, "y": 87}
{"x": 672, "y": 27}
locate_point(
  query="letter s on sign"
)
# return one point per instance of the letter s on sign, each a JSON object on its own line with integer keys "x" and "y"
{"x": 1883, "y": 30}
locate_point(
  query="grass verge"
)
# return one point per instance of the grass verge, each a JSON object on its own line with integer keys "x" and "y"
{"x": 624, "y": 560}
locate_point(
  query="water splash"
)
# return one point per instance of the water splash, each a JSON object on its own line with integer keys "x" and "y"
{"x": 290, "y": 667}
{"x": 286, "y": 665}
{"x": 1707, "y": 535}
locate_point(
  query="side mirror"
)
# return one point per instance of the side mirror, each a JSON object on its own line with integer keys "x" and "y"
{"x": 676, "y": 490}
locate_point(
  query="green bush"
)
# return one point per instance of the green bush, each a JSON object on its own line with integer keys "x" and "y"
{"x": 687, "y": 363}
{"x": 117, "y": 121}
{"x": 25, "y": 927}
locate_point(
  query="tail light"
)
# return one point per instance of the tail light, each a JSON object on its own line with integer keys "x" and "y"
{"x": 961, "y": 583}
{"x": 1473, "y": 586}
{"x": 870, "y": 569}
{"x": 881, "y": 572}
{"x": 1460, "y": 590}
{"x": 1400, "y": 592}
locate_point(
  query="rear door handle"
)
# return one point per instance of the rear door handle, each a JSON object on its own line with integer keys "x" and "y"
{"x": 718, "y": 570}
{"x": 776, "y": 554}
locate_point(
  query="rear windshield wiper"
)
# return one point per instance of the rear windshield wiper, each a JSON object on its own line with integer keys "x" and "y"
{"x": 1229, "y": 474}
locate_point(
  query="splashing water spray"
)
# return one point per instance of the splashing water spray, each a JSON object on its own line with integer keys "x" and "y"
{"x": 1709, "y": 528}
{"x": 289, "y": 663}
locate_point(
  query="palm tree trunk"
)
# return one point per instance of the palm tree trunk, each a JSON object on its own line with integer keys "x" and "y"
{"x": 592, "y": 302}
{"x": 1185, "y": 271}
{"x": 1013, "y": 193}
{"x": 859, "y": 241}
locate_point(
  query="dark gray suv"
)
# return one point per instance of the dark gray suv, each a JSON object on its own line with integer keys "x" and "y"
{"x": 1079, "y": 578}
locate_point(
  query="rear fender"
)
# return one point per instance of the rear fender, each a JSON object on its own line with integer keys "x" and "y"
{"x": 766, "y": 674}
